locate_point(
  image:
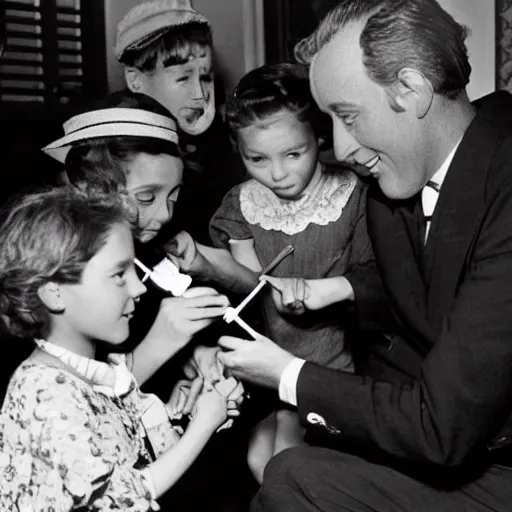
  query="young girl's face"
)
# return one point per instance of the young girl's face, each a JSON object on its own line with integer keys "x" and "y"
{"x": 281, "y": 153}
{"x": 101, "y": 305}
{"x": 153, "y": 182}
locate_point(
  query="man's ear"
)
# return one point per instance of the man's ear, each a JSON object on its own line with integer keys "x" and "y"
{"x": 413, "y": 90}
{"x": 49, "y": 294}
{"x": 135, "y": 79}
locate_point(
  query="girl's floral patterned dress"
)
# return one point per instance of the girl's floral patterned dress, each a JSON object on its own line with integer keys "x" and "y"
{"x": 70, "y": 444}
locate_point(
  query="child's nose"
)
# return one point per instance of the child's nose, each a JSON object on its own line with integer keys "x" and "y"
{"x": 137, "y": 287}
{"x": 278, "y": 171}
{"x": 199, "y": 93}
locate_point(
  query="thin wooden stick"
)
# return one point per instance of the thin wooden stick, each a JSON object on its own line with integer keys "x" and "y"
{"x": 245, "y": 326}
{"x": 143, "y": 267}
{"x": 280, "y": 257}
{"x": 249, "y": 297}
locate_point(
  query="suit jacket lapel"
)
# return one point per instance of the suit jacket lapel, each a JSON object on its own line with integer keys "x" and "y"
{"x": 456, "y": 217}
{"x": 396, "y": 233}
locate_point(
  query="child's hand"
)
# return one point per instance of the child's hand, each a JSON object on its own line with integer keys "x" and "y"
{"x": 296, "y": 295}
{"x": 204, "y": 362}
{"x": 179, "y": 318}
{"x": 183, "y": 252}
{"x": 211, "y": 409}
{"x": 233, "y": 390}
{"x": 184, "y": 396}
{"x": 291, "y": 295}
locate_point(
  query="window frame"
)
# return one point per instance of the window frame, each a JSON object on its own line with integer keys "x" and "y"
{"x": 93, "y": 54}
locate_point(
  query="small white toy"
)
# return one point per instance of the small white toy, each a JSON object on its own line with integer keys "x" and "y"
{"x": 166, "y": 276}
{"x": 231, "y": 315}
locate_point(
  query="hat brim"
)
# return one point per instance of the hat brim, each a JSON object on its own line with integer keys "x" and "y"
{"x": 149, "y": 30}
{"x": 60, "y": 148}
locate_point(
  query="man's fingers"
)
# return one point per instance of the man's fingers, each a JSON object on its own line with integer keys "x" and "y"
{"x": 230, "y": 343}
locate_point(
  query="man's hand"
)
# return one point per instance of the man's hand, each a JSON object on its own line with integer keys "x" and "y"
{"x": 260, "y": 361}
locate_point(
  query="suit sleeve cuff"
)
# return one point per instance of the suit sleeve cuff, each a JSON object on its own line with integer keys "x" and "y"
{"x": 288, "y": 381}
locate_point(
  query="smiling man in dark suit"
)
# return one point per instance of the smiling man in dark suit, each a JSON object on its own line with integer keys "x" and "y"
{"x": 392, "y": 76}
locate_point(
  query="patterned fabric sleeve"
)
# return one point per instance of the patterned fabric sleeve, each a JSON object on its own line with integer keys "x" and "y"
{"x": 63, "y": 448}
{"x": 228, "y": 222}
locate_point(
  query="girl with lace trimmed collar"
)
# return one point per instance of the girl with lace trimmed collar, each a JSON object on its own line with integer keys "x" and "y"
{"x": 294, "y": 199}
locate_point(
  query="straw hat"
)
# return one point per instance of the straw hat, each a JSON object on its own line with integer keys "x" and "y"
{"x": 112, "y": 122}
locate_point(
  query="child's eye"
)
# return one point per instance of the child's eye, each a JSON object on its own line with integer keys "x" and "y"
{"x": 120, "y": 278}
{"x": 294, "y": 155}
{"x": 145, "y": 198}
{"x": 182, "y": 79}
{"x": 207, "y": 78}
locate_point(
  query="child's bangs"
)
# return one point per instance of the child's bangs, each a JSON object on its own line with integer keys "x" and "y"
{"x": 184, "y": 43}
{"x": 176, "y": 45}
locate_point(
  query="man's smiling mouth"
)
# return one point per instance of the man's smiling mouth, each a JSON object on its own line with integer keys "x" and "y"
{"x": 372, "y": 163}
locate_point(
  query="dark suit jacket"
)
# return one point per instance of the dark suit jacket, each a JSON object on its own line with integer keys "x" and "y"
{"x": 453, "y": 301}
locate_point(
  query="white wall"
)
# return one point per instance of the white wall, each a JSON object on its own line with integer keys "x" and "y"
{"x": 114, "y": 12}
{"x": 237, "y": 36}
{"x": 479, "y": 17}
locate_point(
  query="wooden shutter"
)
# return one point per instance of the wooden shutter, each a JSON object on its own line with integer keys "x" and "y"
{"x": 45, "y": 57}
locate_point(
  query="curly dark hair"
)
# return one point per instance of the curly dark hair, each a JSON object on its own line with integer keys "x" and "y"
{"x": 272, "y": 88}
{"x": 49, "y": 236}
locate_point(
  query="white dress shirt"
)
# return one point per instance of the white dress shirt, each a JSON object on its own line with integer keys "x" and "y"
{"x": 429, "y": 197}
{"x": 430, "y": 192}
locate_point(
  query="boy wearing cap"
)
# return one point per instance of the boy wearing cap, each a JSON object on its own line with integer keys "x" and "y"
{"x": 166, "y": 48}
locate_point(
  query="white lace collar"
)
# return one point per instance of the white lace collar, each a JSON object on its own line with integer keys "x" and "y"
{"x": 110, "y": 379}
{"x": 321, "y": 205}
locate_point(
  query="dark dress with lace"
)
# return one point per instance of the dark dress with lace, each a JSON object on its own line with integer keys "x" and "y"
{"x": 327, "y": 228}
